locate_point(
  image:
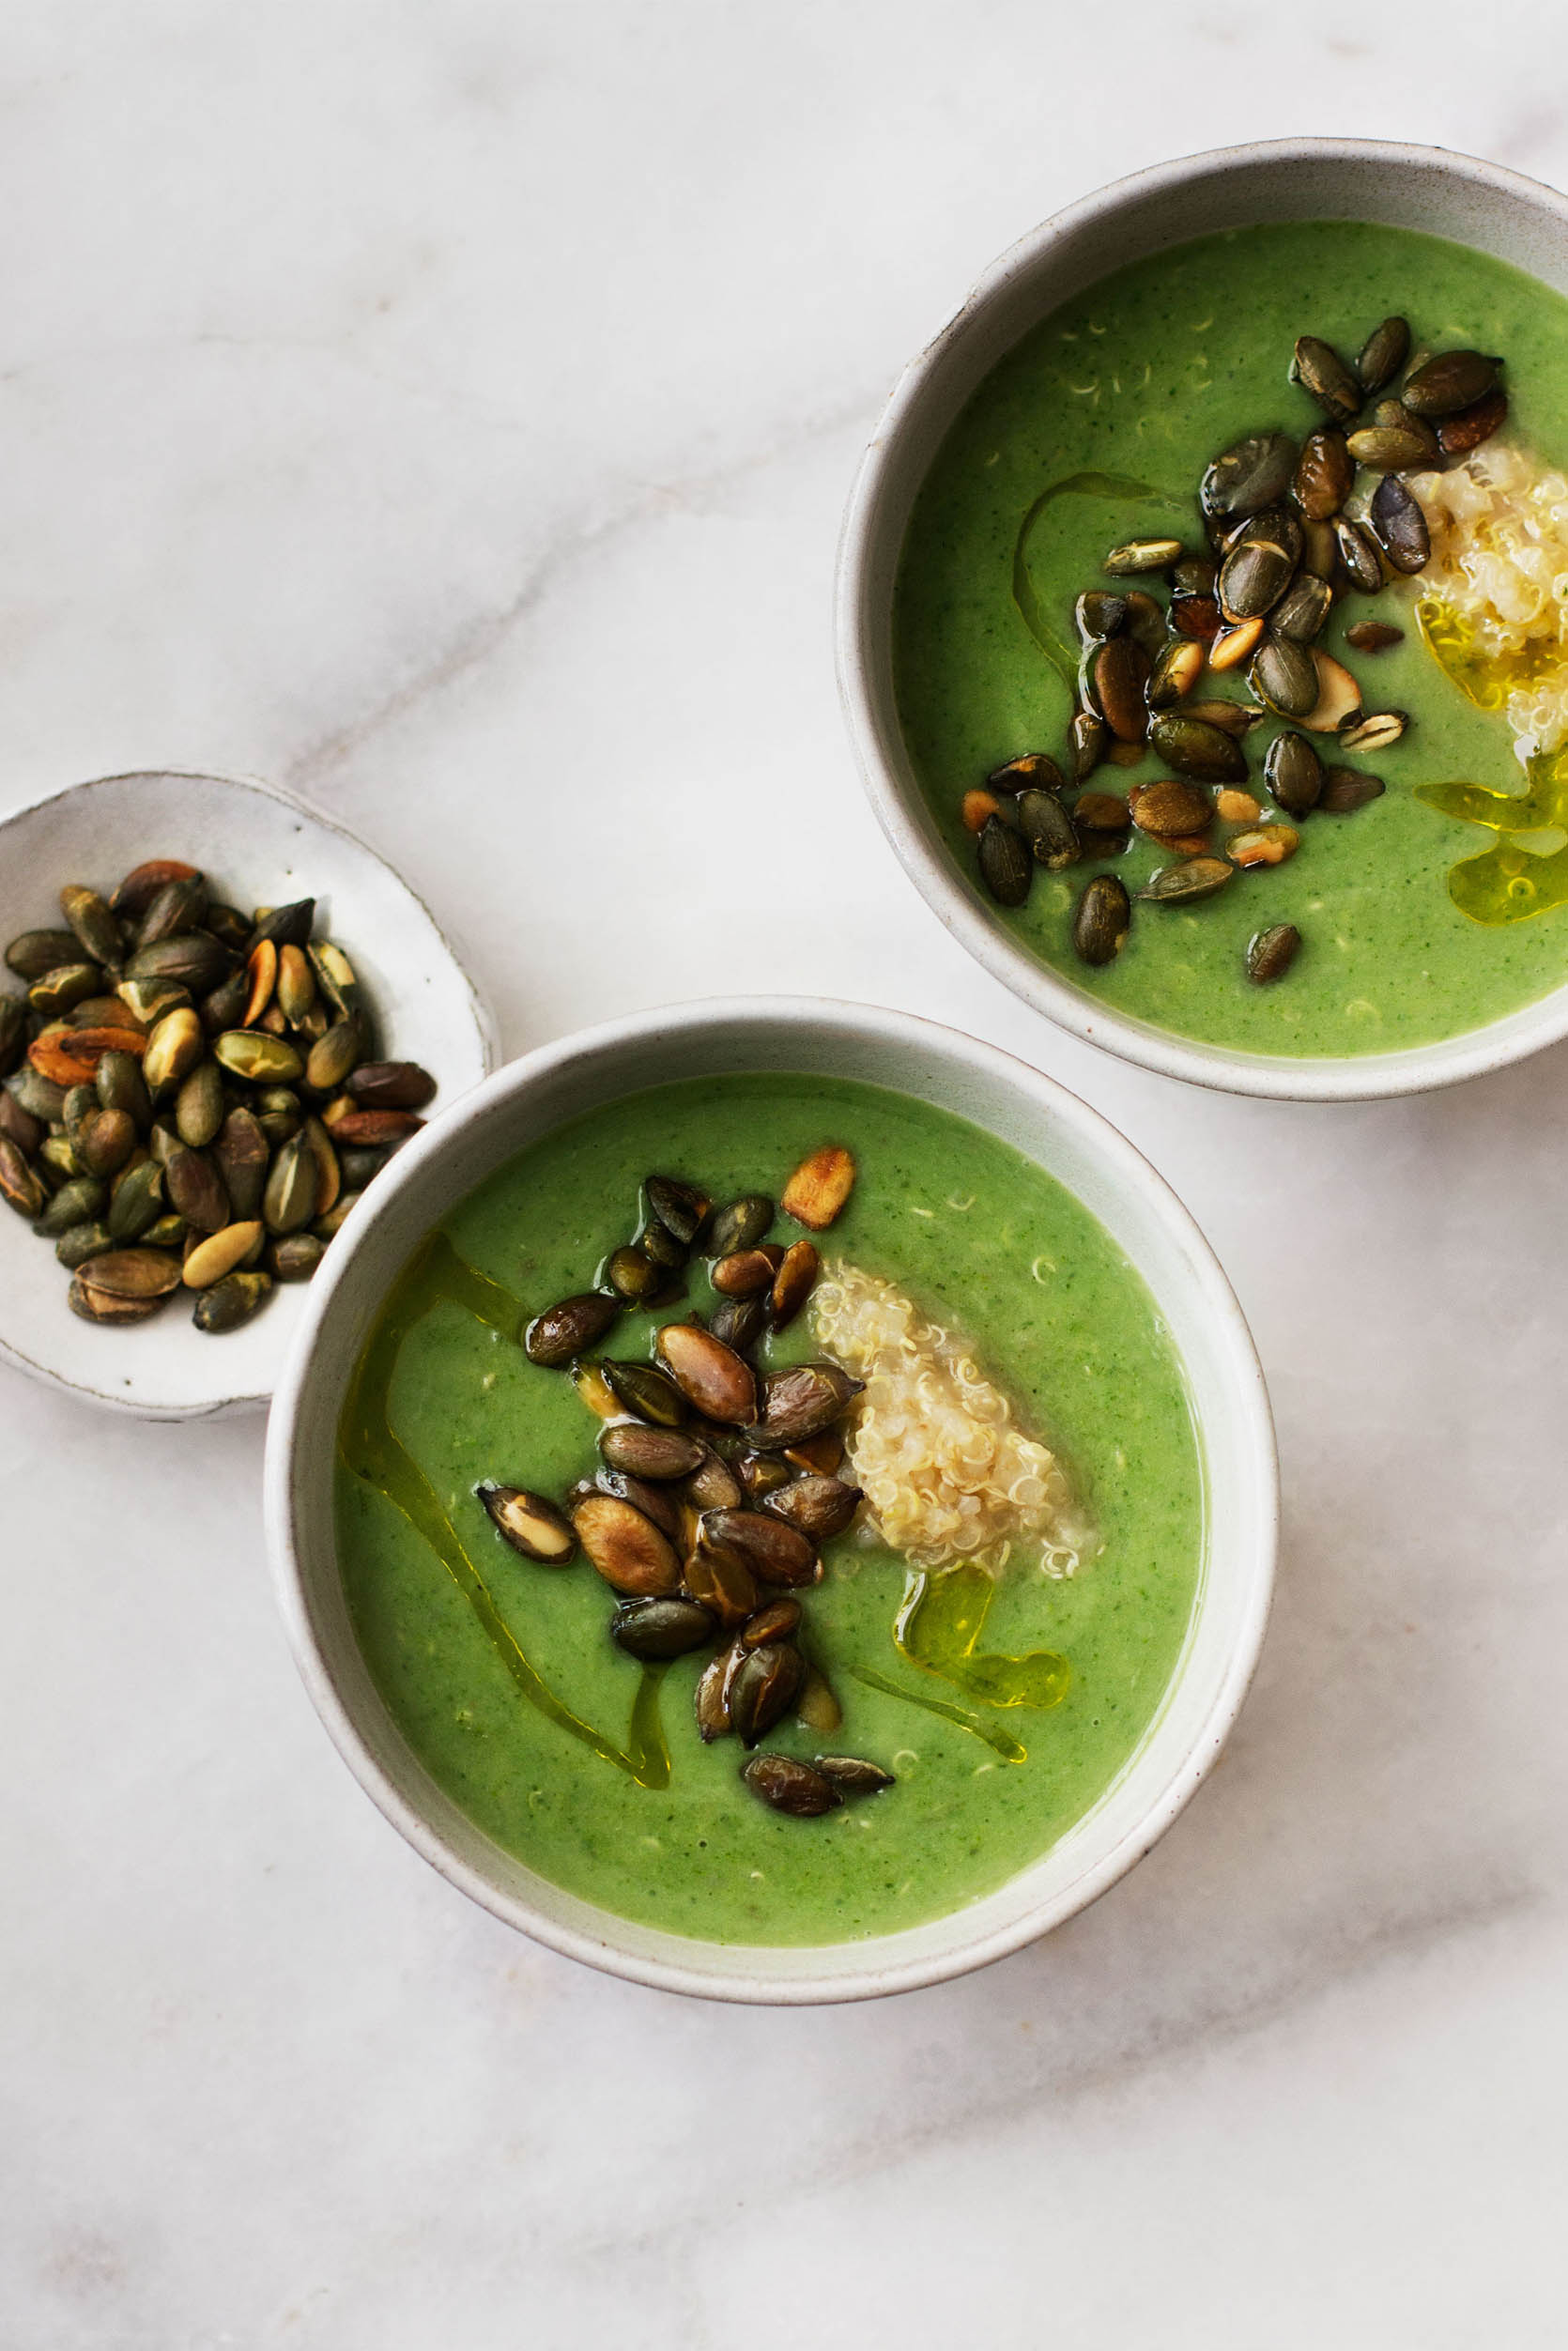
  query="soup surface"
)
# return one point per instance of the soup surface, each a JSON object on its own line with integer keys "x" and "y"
{"x": 1147, "y": 377}
{"x": 586, "y": 1764}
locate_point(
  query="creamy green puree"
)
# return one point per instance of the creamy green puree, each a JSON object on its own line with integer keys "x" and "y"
{"x": 1149, "y": 376}
{"x": 586, "y": 1764}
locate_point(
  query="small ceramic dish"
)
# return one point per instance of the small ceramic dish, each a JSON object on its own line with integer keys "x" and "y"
{"x": 1450, "y": 196}
{"x": 1230, "y": 1408}
{"x": 265, "y": 847}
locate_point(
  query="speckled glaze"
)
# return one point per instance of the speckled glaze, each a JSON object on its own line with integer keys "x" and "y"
{"x": 1470, "y": 203}
{"x": 252, "y": 838}
{"x": 1143, "y": 1218}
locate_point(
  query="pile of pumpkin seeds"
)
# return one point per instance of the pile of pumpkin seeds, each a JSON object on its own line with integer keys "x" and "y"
{"x": 717, "y": 1479}
{"x": 189, "y": 1102}
{"x": 1291, "y": 529}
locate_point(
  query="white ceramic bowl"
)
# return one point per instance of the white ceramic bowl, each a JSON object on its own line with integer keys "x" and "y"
{"x": 266, "y": 846}
{"x": 1230, "y": 1407}
{"x": 1473, "y": 204}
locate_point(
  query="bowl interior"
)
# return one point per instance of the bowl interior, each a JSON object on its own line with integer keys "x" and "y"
{"x": 1075, "y": 1146}
{"x": 1470, "y": 203}
{"x": 267, "y": 848}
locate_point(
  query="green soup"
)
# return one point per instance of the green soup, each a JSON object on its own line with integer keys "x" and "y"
{"x": 1148, "y": 377}
{"x": 586, "y": 1765}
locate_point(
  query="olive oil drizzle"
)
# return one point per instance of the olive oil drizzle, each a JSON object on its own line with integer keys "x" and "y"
{"x": 1008, "y": 1748}
{"x": 1116, "y": 486}
{"x": 938, "y": 1628}
{"x": 373, "y": 1452}
{"x": 1507, "y": 883}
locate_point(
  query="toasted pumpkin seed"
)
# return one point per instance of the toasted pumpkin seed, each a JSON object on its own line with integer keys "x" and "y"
{"x": 106, "y": 1142}
{"x": 1283, "y": 675}
{"x": 800, "y": 1401}
{"x": 81, "y": 1241}
{"x": 1031, "y": 769}
{"x": 650, "y": 1394}
{"x": 136, "y": 1202}
{"x": 1359, "y": 555}
{"x": 1293, "y": 773}
{"x": 1452, "y": 381}
{"x": 1198, "y": 749}
{"x": 136, "y": 1274}
{"x": 241, "y": 1152}
{"x": 285, "y": 926}
{"x": 1400, "y": 525}
{"x": 231, "y": 1301}
{"x": 1319, "y": 370}
{"x": 678, "y": 1207}
{"x": 1170, "y": 810}
{"x": 1183, "y": 885}
{"x": 294, "y": 1256}
{"x": 33, "y": 953}
{"x": 199, "y": 1106}
{"x": 713, "y": 1377}
{"x": 528, "y": 1523}
{"x": 740, "y": 1322}
{"x": 1048, "y": 829}
{"x": 764, "y": 1688}
{"x": 1120, "y": 674}
{"x": 1006, "y": 865}
{"x": 1253, "y": 474}
{"x": 80, "y": 1201}
{"x": 1097, "y": 615}
{"x": 65, "y": 986}
{"x": 288, "y": 1200}
{"x": 1135, "y": 555}
{"x": 1087, "y": 746}
{"x": 178, "y": 907}
{"x": 1347, "y": 788}
{"x": 1101, "y": 921}
{"x": 1383, "y": 354}
{"x": 656, "y": 1630}
{"x": 389, "y": 1086}
{"x": 20, "y": 1185}
{"x": 194, "y": 961}
{"x": 1374, "y": 637}
{"x": 1469, "y": 427}
{"x": 1175, "y": 674}
{"x": 1256, "y": 571}
{"x": 122, "y": 1086}
{"x": 1100, "y": 812}
{"x": 1323, "y": 474}
{"x": 196, "y": 1189}
{"x": 785, "y": 1785}
{"x": 793, "y": 1283}
{"x": 818, "y": 1507}
{"x": 626, "y": 1548}
{"x": 564, "y": 1329}
{"x": 1271, "y": 953}
{"x": 1303, "y": 609}
{"x": 331, "y": 1060}
{"x": 646, "y": 1452}
{"x": 1389, "y": 448}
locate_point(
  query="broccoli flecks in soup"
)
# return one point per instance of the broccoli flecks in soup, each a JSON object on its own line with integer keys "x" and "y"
{"x": 999, "y": 1694}
{"x": 1415, "y": 887}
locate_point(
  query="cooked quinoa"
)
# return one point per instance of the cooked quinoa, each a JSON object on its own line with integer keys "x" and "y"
{"x": 947, "y": 1474}
{"x": 1499, "y": 565}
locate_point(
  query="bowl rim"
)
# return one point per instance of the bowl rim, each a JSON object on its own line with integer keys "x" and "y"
{"x": 861, "y": 1977}
{"x": 896, "y": 797}
{"x": 479, "y": 1010}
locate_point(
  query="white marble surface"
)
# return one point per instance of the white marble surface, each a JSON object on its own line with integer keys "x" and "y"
{"x": 447, "y": 410}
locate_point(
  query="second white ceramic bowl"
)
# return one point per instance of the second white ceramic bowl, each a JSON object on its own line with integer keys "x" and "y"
{"x": 1230, "y": 1408}
{"x": 1448, "y": 196}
